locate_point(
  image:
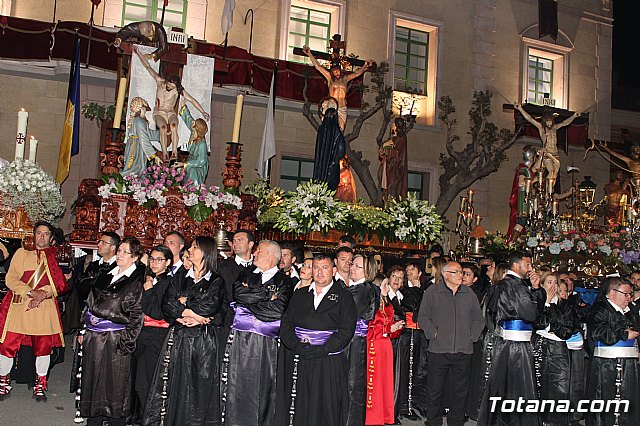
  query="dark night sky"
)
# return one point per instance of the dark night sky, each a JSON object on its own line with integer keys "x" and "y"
{"x": 626, "y": 42}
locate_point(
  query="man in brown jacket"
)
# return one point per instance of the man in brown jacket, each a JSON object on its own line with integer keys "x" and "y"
{"x": 29, "y": 312}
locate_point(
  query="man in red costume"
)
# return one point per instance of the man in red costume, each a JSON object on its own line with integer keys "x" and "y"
{"x": 29, "y": 312}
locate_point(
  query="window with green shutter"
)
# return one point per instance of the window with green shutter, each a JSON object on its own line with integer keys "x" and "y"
{"x": 411, "y": 53}
{"x": 309, "y": 27}
{"x": 175, "y": 14}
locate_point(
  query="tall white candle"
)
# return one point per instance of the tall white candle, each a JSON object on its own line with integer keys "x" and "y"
{"x": 33, "y": 146}
{"x": 21, "y": 134}
{"x": 122, "y": 90}
{"x": 237, "y": 118}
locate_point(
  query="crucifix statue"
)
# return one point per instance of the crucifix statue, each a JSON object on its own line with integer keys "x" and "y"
{"x": 548, "y": 129}
{"x": 337, "y": 80}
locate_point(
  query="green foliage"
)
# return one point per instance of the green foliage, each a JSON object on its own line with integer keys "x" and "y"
{"x": 98, "y": 112}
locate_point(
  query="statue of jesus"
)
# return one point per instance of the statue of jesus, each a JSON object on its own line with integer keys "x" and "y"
{"x": 548, "y": 133}
{"x": 338, "y": 82}
{"x": 165, "y": 113}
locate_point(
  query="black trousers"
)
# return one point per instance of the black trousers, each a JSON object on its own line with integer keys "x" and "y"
{"x": 458, "y": 367}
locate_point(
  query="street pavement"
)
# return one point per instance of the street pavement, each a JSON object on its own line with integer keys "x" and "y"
{"x": 20, "y": 409}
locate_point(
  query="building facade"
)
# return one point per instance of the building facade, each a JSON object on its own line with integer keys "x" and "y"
{"x": 434, "y": 48}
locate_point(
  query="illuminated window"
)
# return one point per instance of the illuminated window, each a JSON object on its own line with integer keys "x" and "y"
{"x": 411, "y": 57}
{"x": 413, "y": 52}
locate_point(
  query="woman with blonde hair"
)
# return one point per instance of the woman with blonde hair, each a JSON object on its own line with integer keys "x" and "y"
{"x": 437, "y": 263}
{"x": 557, "y": 323}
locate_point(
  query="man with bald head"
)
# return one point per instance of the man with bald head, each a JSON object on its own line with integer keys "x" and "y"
{"x": 451, "y": 319}
{"x": 249, "y": 370}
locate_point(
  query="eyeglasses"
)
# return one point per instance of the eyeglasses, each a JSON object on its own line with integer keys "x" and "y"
{"x": 105, "y": 242}
{"x": 124, "y": 251}
{"x": 454, "y": 272}
{"x": 353, "y": 265}
{"x": 156, "y": 259}
{"x": 622, "y": 292}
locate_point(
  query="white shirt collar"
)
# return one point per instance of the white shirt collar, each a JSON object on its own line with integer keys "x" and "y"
{"x": 317, "y": 298}
{"x": 117, "y": 274}
{"x": 293, "y": 273}
{"x": 240, "y": 261}
{"x": 338, "y": 276}
{"x": 514, "y": 274}
{"x": 397, "y": 294}
{"x": 618, "y": 308}
{"x": 175, "y": 267}
{"x": 190, "y": 274}
{"x": 360, "y": 281}
{"x": 110, "y": 261}
{"x": 267, "y": 275}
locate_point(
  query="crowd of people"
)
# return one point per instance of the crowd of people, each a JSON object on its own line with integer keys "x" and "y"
{"x": 271, "y": 334}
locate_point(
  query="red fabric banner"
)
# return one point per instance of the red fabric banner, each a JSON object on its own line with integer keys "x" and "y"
{"x": 23, "y": 39}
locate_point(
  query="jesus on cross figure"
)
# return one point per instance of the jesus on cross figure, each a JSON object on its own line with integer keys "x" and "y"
{"x": 337, "y": 82}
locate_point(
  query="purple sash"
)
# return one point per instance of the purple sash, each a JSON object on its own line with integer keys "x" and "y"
{"x": 101, "y": 325}
{"x": 315, "y": 337}
{"x": 362, "y": 326}
{"x": 245, "y": 321}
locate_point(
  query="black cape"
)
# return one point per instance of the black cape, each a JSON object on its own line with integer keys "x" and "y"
{"x": 554, "y": 359}
{"x": 150, "y": 341}
{"x": 250, "y": 390}
{"x": 330, "y": 149}
{"x": 106, "y": 382}
{"x": 322, "y": 397}
{"x": 367, "y": 299}
{"x": 410, "y": 355}
{"x": 511, "y": 370}
{"x": 189, "y": 368}
{"x": 607, "y": 325}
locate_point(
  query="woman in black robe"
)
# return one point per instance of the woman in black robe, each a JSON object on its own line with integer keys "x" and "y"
{"x": 556, "y": 323}
{"x": 155, "y": 328}
{"x": 366, "y": 296}
{"x": 186, "y": 386}
{"x": 330, "y": 148}
{"x": 111, "y": 326}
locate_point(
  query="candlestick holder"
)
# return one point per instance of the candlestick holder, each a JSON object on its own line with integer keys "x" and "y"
{"x": 232, "y": 172}
{"x": 111, "y": 159}
{"x": 465, "y": 222}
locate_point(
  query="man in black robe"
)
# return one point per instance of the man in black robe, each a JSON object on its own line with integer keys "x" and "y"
{"x": 513, "y": 310}
{"x": 232, "y": 268}
{"x": 612, "y": 330}
{"x": 316, "y": 328}
{"x": 107, "y": 246}
{"x": 249, "y": 374}
{"x": 330, "y": 148}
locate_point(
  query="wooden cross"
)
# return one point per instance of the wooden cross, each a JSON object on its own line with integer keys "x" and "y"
{"x": 338, "y": 49}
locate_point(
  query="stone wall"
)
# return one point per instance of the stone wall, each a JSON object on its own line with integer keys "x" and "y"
{"x": 481, "y": 48}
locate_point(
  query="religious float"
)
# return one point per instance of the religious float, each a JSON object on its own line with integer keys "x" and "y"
{"x": 140, "y": 204}
{"x": 147, "y": 189}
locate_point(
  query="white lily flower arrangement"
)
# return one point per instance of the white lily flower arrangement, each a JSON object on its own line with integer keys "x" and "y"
{"x": 24, "y": 184}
